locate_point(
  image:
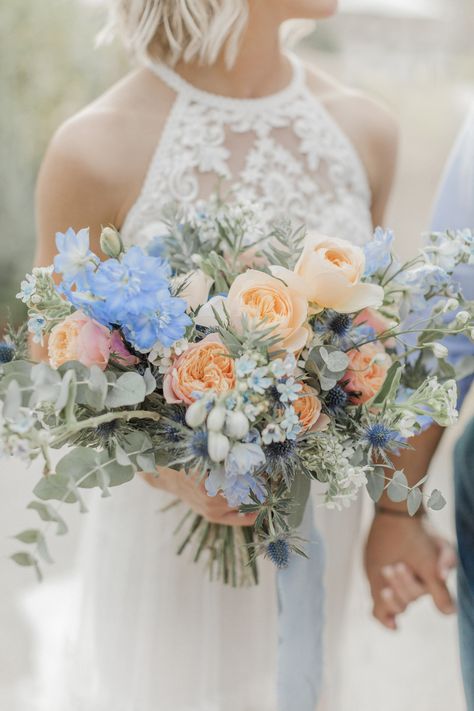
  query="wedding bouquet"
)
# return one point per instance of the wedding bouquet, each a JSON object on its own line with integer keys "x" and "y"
{"x": 256, "y": 359}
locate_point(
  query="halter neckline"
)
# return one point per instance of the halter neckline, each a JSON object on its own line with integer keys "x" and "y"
{"x": 181, "y": 86}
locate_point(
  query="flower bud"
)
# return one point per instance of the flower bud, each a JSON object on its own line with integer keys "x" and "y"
{"x": 439, "y": 350}
{"x": 111, "y": 242}
{"x": 462, "y": 318}
{"x": 216, "y": 418}
{"x": 217, "y": 446}
{"x": 451, "y": 304}
{"x": 236, "y": 425}
{"x": 196, "y": 413}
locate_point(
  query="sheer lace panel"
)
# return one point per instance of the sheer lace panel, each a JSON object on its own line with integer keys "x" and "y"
{"x": 284, "y": 151}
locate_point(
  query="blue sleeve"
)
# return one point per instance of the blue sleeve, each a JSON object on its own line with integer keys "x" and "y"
{"x": 454, "y": 209}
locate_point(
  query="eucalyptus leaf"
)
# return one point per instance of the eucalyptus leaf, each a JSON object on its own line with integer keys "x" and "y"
{"x": 397, "y": 489}
{"x": 42, "y": 549}
{"x": 146, "y": 462}
{"x": 48, "y": 513}
{"x": 128, "y": 390}
{"x": 414, "y": 500}
{"x": 29, "y": 536}
{"x": 436, "y": 501}
{"x": 23, "y": 558}
{"x": 98, "y": 387}
{"x": 12, "y": 403}
{"x": 337, "y": 362}
{"x": 150, "y": 382}
{"x": 375, "y": 484}
{"x": 121, "y": 455}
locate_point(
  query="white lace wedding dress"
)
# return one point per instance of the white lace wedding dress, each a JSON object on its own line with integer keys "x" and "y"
{"x": 144, "y": 629}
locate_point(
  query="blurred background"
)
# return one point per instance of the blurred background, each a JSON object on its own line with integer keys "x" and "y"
{"x": 416, "y": 56}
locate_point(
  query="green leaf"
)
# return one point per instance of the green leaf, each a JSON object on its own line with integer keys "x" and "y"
{"x": 24, "y": 558}
{"x": 56, "y": 487}
{"x": 375, "y": 484}
{"x": 28, "y": 536}
{"x": 414, "y": 499}
{"x": 67, "y": 396}
{"x": 128, "y": 390}
{"x": 48, "y": 513}
{"x": 299, "y": 493}
{"x": 121, "y": 455}
{"x": 336, "y": 361}
{"x": 436, "y": 501}
{"x": 98, "y": 386}
{"x": 146, "y": 462}
{"x": 42, "y": 549}
{"x": 150, "y": 382}
{"x": 397, "y": 490}
{"x": 46, "y": 382}
{"x": 389, "y": 389}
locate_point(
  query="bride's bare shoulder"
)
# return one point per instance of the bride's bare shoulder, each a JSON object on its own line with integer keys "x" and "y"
{"x": 368, "y": 123}
{"x": 106, "y": 147}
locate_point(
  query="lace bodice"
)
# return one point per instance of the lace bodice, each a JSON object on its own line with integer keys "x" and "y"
{"x": 283, "y": 151}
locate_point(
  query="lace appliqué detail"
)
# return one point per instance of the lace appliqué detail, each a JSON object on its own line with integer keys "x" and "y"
{"x": 285, "y": 152}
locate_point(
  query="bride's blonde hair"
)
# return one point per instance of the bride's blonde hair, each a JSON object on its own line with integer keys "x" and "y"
{"x": 172, "y": 30}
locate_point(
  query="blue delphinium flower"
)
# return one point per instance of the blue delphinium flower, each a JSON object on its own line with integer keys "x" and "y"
{"x": 377, "y": 251}
{"x": 74, "y": 256}
{"x": 164, "y": 323}
{"x": 7, "y": 352}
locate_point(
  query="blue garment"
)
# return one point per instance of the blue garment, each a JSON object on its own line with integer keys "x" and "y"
{"x": 455, "y": 209}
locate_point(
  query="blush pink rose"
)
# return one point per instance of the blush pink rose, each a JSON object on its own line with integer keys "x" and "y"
{"x": 368, "y": 366}
{"x": 79, "y": 338}
{"x": 119, "y": 351}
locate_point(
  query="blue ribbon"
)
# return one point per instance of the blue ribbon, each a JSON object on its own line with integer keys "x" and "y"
{"x": 300, "y": 624}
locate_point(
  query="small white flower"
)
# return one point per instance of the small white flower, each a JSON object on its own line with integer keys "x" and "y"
{"x": 216, "y": 418}
{"x": 462, "y": 318}
{"x": 196, "y": 413}
{"x": 451, "y": 305}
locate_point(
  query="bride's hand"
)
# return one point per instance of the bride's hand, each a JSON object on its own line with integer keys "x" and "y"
{"x": 406, "y": 559}
{"x": 214, "y": 509}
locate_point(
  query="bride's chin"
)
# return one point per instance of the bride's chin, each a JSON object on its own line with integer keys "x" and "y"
{"x": 312, "y": 9}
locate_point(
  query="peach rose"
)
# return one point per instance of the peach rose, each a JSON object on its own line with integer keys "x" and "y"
{"x": 330, "y": 272}
{"x": 268, "y": 300}
{"x": 367, "y": 370}
{"x": 203, "y": 366}
{"x": 374, "y": 319}
{"x": 79, "y": 338}
{"x": 308, "y": 409}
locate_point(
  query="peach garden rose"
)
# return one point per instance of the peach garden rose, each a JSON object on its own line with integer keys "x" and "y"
{"x": 308, "y": 408}
{"x": 368, "y": 367}
{"x": 329, "y": 273}
{"x": 204, "y": 366}
{"x": 79, "y": 338}
{"x": 265, "y": 298}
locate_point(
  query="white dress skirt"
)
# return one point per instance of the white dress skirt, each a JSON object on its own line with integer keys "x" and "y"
{"x": 137, "y": 628}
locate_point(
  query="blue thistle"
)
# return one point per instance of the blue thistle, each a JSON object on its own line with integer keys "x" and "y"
{"x": 107, "y": 430}
{"x": 198, "y": 445}
{"x": 340, "y": 324}
{"x": 276, "y": 451}
{"x": 379, "y": 436}
{"x": 336, "y": 398}
{"x": 7, "y": 352}
{"x": 279, "y": 552}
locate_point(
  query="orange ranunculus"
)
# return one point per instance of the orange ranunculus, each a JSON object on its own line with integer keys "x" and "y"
{"x": 308, "y": 409}
{"x": 203, "y": 366}
{"x": 329, "y": 273}
{"x": 266, "y": 299}
{"x": 79, "y": 338}
{"x": 368, "y": 366}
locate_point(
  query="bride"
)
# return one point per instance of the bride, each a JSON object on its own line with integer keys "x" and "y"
{"x": 214, "y": 100}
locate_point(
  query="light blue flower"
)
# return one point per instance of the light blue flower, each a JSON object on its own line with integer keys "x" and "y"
{"x": 36, "y": 326}
{"x": 244, "y": 457}
{"x": 165, "y": 324}
{"x": 27, "y": 288}
{"x": 291, "y": 423}
{"x": 289, "y": 390}
{"x": 377, "y": 251}
{"x": 258, "y": 380}
{"x": 244, "y": 366}
{"x": 74, "y": 255}
{"x": 237, "y": 479}
{"x": 273, "y": 433}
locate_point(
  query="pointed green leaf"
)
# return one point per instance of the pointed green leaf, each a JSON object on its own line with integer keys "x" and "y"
{"x": 375, "y": 484}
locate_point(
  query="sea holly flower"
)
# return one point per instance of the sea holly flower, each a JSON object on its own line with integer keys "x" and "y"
{"x": 74, "y": 255}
